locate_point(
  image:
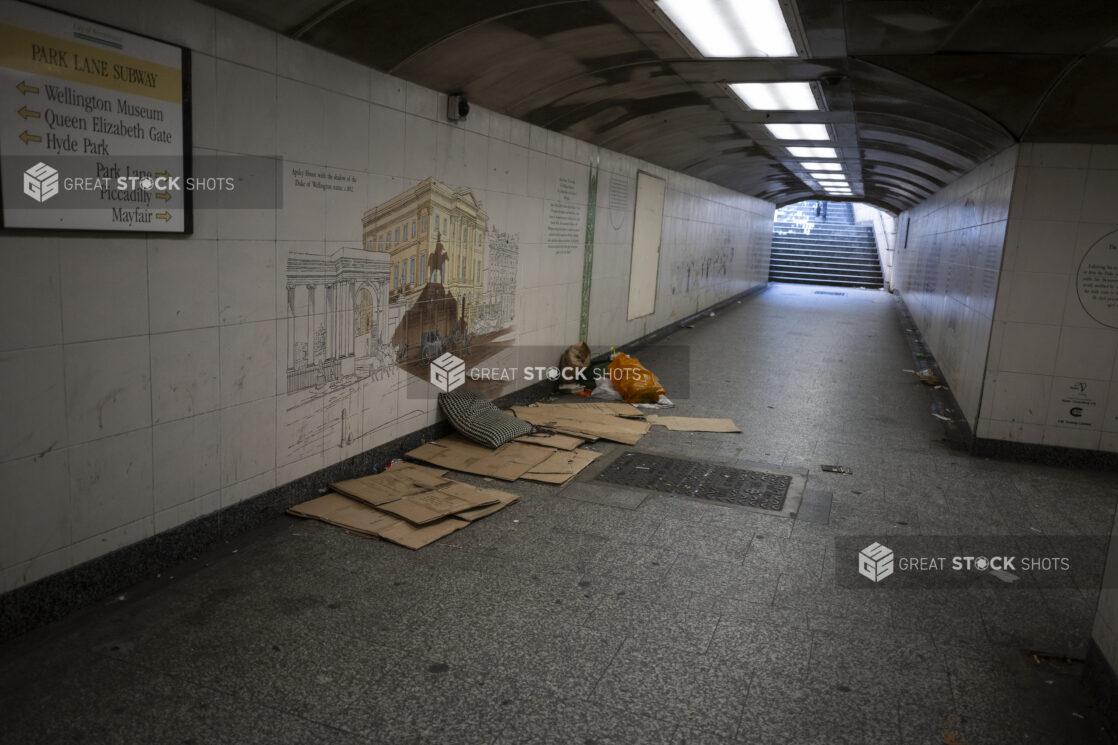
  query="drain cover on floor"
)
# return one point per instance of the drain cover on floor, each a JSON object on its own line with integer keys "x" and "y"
{"x": 828, "y": 292}
{"x": 699, "y": 479}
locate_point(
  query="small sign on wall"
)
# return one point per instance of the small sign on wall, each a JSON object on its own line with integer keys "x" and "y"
{"x": 94, "y": 132}
{"x": 1097, "y": 280}
{"x": 1077, "y": 403}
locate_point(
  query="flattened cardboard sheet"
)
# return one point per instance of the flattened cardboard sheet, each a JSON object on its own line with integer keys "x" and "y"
{"x": 613, "y": 408}
{"x": 562, "y": 467}
{"x": 588, "y": 423}
{"x": 340, "y": 510}
{"x": 508, "y": 462}
{"x": 552, "y": 440}
{"x": 399, "y": 481}
{"x": 504, "y": 499}
{"x": 421, "y": 509}
{"x": 693, "y": 424}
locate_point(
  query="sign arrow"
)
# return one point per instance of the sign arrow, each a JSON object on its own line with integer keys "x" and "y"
{"x": 163, "y": 195}
{"x": 24, "y": 88}
{"x": 164, "y": 174}
{"x": 26, "y": 112}
{"x": 29, "y": 137}
{"x": 165, "y": 216}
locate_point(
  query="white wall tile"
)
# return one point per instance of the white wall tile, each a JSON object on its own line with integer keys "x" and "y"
{"x": 35, "y": 503}
{"x": 386, "y": 140}
{"x": 301, "y": 124}
{"x": 1100, "y": 196}
{"x": 108, "y": 387}
{"x": 1032, "y": 297}
{"x": 420, "y": 147}
{"x": 243, "y": 296}
{"x": 1061, "y": 155}
{"x": 33, "y": 381}
{"x": 246, "y": 43}
{"x": 118, "y": 537}
{"x": 1087, "y": 353}
{"x": 1044, "y": 246}
{"x": 347, "y": 123}
{"x": 248, "y": 441}
{"x": 30, "y": 299}
{"x": 300, "y": 61}
{"x": 1054, "y": 193}
{"x": 184, "y": 372}
{"x": 35, "y": 569}
{"x": 248, "y": 362}
{"x": 186, "y": 460}
{"x": 246, "y": 116}
{"x": 104, "y": 289}
{"x": 1072, "y": 438}
{"x": 110, "y": 483}
{"x": 1029, "y": 348}
{"x": 172, "y": 517}
{"x": 182, "y": 283}
{"x": 386, "y": 90}
{"x": 203, "y": 103}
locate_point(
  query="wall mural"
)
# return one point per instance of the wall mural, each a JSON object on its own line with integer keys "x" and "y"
{"x": 432, "y": 275}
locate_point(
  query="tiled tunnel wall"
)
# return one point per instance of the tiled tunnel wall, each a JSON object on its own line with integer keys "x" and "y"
{"x": 947, "y": 267}
{"x": 147, "y": 380}
{"x": 991, "y": 271}
{"x": 1048, "y": 355}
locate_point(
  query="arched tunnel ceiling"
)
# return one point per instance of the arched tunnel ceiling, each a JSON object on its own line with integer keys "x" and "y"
{"x": 917, "y": 92}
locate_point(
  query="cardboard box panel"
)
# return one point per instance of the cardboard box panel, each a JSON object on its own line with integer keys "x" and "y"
{"x": 508, "y": 462}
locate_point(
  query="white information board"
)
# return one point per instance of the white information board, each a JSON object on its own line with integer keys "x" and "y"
{"x": 648, "y": 224}
{"x": 93, "y": 132}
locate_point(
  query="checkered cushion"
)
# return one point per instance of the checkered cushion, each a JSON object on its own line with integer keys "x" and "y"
{"x": 476, "y": 417}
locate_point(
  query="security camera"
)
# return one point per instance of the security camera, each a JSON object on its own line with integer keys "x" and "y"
{"x": 457, "y": 107}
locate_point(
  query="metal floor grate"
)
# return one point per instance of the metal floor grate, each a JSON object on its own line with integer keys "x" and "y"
{"x": 828, "y": 292}
{"x": 699, "y": 480}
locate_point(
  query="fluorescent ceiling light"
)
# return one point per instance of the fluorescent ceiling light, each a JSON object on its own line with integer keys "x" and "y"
{"x": 828, "y": 176}
{"x": 732, "y": 28}
{"x": 822, "y": 166}
{"x": 813, "y": 152}
{"x": 799, "y": 131}
{"x": 776, "y": 96}
{"x": 835, "y": 185}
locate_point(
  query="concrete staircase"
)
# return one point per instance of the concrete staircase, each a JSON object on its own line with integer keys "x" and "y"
{"x": 810, "y": 250}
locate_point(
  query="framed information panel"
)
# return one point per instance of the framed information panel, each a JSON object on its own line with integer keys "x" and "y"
{"x": 94, "y": 128}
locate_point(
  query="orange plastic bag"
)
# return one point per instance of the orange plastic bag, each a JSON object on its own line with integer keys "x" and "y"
{"x": 635, "y": 382}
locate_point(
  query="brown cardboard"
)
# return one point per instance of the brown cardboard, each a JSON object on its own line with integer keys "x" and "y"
{"x": 562, "y": 467}
{"x": 420, "y": 509}
{"x": 401, "y": 480}
{"x": 613, "y": 408}
{"x": 584, "y": 423}
{"x": 693, "y": 424}
{"x": 552, "y": 440}
{"x": 508, "y": 462}
{"x": 357, "y": 517}
{"x": 504, "y": 499}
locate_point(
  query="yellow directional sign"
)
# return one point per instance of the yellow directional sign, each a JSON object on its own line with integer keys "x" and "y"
{"x": 27, "y": 137}
{"x": 26, "y": 112}
{"x": 24, "y": 88}
{"x": 163, "y": 195}
{"x": 163, "y": 215}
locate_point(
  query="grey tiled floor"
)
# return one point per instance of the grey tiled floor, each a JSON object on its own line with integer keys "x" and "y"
{"x": 597, "y": 615}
